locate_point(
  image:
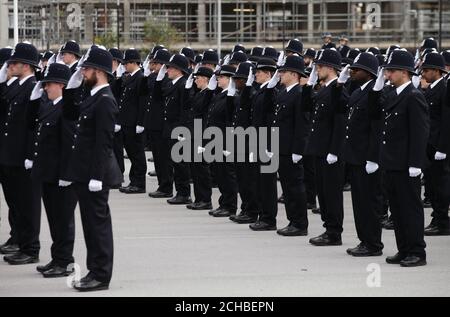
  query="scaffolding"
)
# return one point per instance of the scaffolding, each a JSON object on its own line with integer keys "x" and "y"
{"x": 49, "y": 23}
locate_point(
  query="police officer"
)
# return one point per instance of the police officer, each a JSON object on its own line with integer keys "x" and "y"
{"x": 327, "y": 41}
{"x": 131, "y": 121}
{"x": 53, "y": 137}
{"x": 343, "y": 45}
{"x": 15, "y": 141}
{"x": 361, "y": 154}
{"x": 219, "y": 116}
{"x": 403, "y": 156}
{"x": 433, "y": 71}
{"x": 210, "y": 59}
{"x": 174, "y": 116}
{"x": 325, "y": 142}
{"x": 71, "y": 54}
{"x": 93, "y": 168}
{"x": 197, "y": 100}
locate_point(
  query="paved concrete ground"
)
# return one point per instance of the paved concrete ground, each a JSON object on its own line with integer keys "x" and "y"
{"x": 163, "y": 250}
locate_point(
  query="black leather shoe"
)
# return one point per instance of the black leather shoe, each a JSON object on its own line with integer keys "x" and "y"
{"x": 21, "y": 258}
{"x": 223, "y": 213}
{"x": 9, "y": 249}
{"x": 57, "y": 271}
{"x": 158, "y": 194}
{"x": 350, "y": 250}
{"x": 43, "y": 268}
{"x": 201, "y": 205}
{"x": 152, "y": 174}
{"x": 347, "y": 187}
{"x": 89, "y": 284}
{"x": 179, "y": 200}
{"x": 244, "y": 219}
{"x": 311, "y": 206}
{"x": 326, "y": 240}
{"x": 316, "y": 211}
{"x": 262, "y": 226}
{"x": 281, "y": 199}
{"x": 123, "y": 188}
{"x": 133, "y": 190}
{"x": 362, "y": 251}
{"x": 396, "y": 259}
{"x": 292, "y": 231}
{"x": 426, "y": 202}
{"x": 413, "y": 261}
{"x": 435, "y": 230}
{"x": 212, "y": 212}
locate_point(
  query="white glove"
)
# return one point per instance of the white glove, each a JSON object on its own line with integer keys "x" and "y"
{"x": 63, "y": 183}
{"x": 189, "y": 81}
{"x": 331, "y": 158}
{"x": 76, "y": 80}
{"x": 313, "y": 77}
{"x": 250, "y": 78}
{"x": 417, "y": 56}
{"x": 162, "y": 72}
{"x": 416, "y": 81}
{"x": 226, "y": 153}
{"x": 344, "y": 75}
{"x": 212, "y": 85}
{"x": 379, "y": 83}
{"x": 117, "y": 128}
{"x": 231, "y": 88}
{"x": 51, "y": 60}
{"x": 139, "y": 129}
{"x": 274, "y": 80}
{"x": 4, "y": 73}
{"x": 269, "y": 154}
{"x": 28, "y": 164}
{"x": 200, "y": 150}
{"x": 439, "y": 156}
{"x": 414, "y": 172}
{"x": 59, "y": 58}
{"x": 180, "y": 138}
{"x": 95, "y": 185}
{"x": 145, "y": 66}
{"x": 120, "y": 71}
{"x": 296, "y": 158}
{"x": 147, "y": 71}
{"x": 226, "y": 59}
{"x": 371, "y": 167}
{"x": 37, "y": 91}
{"x": 281, "y": 59}
{"x": 196, "y": 68}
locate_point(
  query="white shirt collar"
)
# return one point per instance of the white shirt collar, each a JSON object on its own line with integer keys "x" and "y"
{"x": 10, "y": 81}
{"x": 291, "y": 86}
{"x": 330, "y": 81}
{"x": 365, "y": 85}
{"x": 70, "y": 66}
{"x": 57, "y": 100}
{"x": 96, "y": 89}
{"x": 25, "y": 79}
{"x": 400, "y": 88}
{"x": 435, "y": 83}
{"x": 176, "y": 79}
{"x": 133, "y": 73}
{"x": 264, "y": 84}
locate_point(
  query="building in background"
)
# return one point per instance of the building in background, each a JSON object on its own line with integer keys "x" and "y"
{"x": 141, "y": 22}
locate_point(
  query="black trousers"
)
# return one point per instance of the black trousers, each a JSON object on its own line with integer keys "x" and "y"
{"x": 438, "y": 182}
{"x": 246, "y": 179}
{"x": 60, "y": 203}
{"x": 179, "y": 173}
{"x": 330, "y": 180}
{"x": 267, "y": 196}
{"x": 227, "y": 183}
{"x": 366, "y": 205}
{"x": 134, "y": 145}
{"x": 118, "y": 150}
{"x": 407, "y": 212}
{"x": 292, "y": 183}
{"x": 24, "y": 200}
{"x": 202, "y": 181}
{"x": 97, "y": 229}
{"x": 163, "y": 171}
{"x": 310, "y": 180}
